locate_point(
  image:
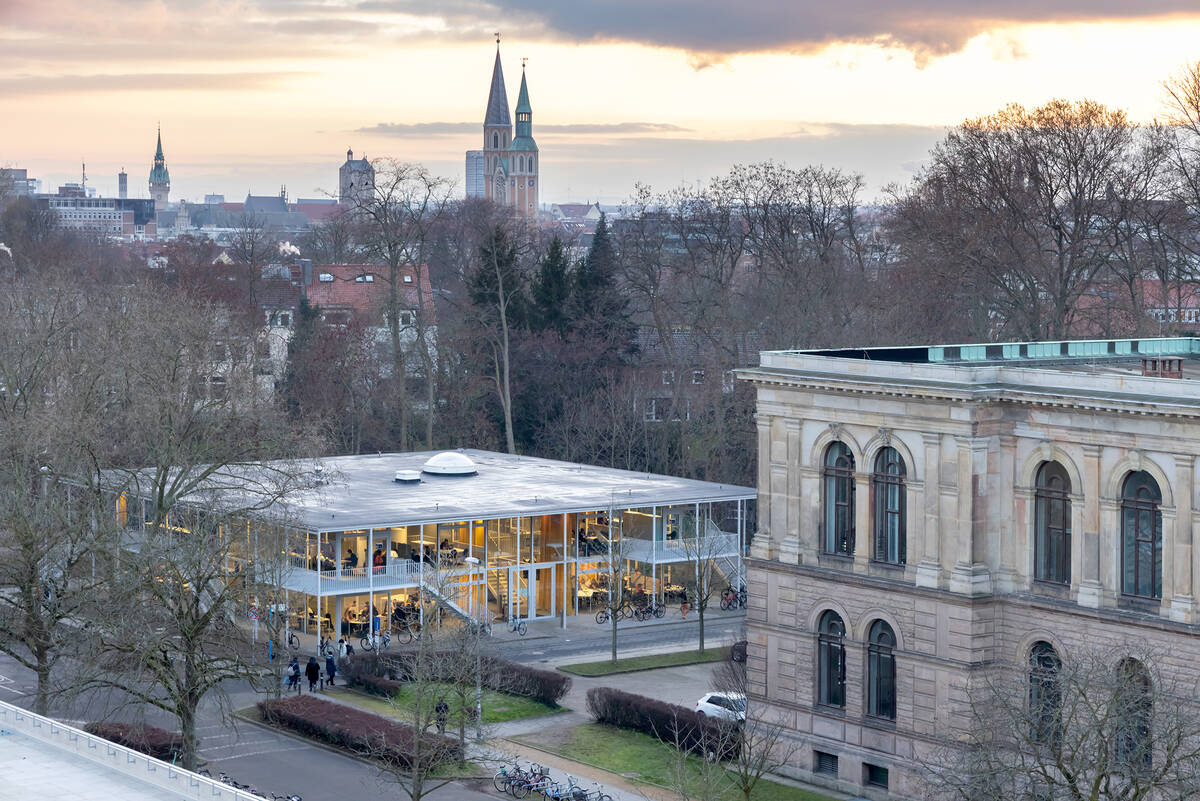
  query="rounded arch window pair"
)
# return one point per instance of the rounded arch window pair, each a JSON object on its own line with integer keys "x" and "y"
{"x": 881, "y": 665}
{"x": 888, "y": 504}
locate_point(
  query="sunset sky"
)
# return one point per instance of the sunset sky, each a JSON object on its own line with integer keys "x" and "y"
{"x": 252, "y": 94}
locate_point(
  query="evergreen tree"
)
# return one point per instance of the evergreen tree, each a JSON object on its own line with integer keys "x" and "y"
{"x": 598, "y": 304}
{"x": 305, "y": 324}
{"x": 551, "y": 291}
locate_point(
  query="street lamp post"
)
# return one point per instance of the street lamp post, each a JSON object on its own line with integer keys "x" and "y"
{"x": 478, "y": 633}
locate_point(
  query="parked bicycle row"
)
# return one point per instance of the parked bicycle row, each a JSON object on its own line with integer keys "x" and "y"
{"x": 643, "y": 608}
{"x": 246, "y": 788}
{"x": 536, "y": 779}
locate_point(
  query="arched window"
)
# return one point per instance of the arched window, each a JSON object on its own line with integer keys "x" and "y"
{"x": 531, "y": 163}
{"x": 1045, "y": 693}
{"x": 839, "y": 499}
{"x": 887, "y": 485}
{"x": 1141, "y": 536}
{"x": 831, "y": 659}
{"x": 1052, "y": 524}
{"x": 1132, "y": 713}
{"x": 881, "y": 671}
{"x": 495, "y": 141}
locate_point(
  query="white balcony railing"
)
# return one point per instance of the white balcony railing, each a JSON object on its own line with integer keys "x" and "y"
{"x": 396, "y": 573}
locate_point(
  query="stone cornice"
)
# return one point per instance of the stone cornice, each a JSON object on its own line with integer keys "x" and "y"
{"x": 982, "y": 392}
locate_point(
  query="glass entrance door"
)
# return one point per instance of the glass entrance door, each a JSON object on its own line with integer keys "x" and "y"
{"x": 519, "y": 583}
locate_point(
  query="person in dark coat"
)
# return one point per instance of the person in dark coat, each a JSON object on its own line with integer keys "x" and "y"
{"x": 312, "y": 671}
{"x": 293, "y": 674}
{"x": 442, "y": 710}
{"x": 330, "y": 668}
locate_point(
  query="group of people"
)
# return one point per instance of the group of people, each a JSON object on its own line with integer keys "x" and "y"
{"x": 312, "y": 671}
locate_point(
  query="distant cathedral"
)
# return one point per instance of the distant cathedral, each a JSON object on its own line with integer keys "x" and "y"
{"x": 160, "y": 179}
{"x": 506, "y": 170}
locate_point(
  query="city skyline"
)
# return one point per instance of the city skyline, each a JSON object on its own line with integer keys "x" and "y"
{"x": 242, "y": 113}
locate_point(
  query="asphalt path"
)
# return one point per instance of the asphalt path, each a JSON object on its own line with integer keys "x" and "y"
{"x": 272, "y": 761}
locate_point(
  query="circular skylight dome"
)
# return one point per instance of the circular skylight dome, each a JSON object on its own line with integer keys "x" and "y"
{"x": 450, "y": 463}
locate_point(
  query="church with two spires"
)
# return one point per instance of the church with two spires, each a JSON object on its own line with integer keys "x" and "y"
{"x": 505, "y": 171}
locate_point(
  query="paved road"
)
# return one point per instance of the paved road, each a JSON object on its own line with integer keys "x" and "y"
{"x": 548, "y": 643}
{"x": 274, "y": 762}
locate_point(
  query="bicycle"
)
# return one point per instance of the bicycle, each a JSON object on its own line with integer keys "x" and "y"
{"x": 380, "y": 641}
{"x": 524, "y": 781}
{"x": 518, "y": 625}
{"x": 503, "y": 779}
{"x": 326, "y": 647}
{"x": 578, "y": 793}
{"x": 283, "y": 797}
{"x": 293, "y": 642}
{"x": 733, "y": 599}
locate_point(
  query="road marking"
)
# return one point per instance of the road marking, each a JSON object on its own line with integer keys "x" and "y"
{"x": 6, "y": 680}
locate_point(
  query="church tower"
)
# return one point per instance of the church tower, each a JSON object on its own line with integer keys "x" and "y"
{"x": 523, "y": 158}
{"x": 497, "y": 136}
{"x": 160, "y": 179}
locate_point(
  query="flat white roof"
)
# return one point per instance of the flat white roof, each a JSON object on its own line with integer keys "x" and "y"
{"x": 360, "y": 491}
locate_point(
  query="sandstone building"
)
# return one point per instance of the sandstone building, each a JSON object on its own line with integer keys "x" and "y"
{"x": 927, "y": 511}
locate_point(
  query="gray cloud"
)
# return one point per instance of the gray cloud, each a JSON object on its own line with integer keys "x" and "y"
{"x": 175, "y": 81}
{"x": 721, "y": 27}
{"x": 420, "y": 129}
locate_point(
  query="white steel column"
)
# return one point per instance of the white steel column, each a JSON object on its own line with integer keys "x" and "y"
{"x": 563, "y": 606}
{"x": 371, "y": 583}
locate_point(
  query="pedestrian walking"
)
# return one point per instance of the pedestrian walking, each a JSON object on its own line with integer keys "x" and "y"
{"x": 442, "y": 710}
{"x": 684, "y": 606}
{"x": 330, "y": 668}
{"x": 293, "y": 674}
{"x": 341, "y": 647}
{"x": 312, "y": 671}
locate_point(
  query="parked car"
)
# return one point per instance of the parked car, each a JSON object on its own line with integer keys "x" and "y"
{"x": 737, "y": 652}
{"x": 725, "y": 706}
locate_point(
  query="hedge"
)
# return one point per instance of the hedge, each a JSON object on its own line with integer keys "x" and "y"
{"x": 382, "y": 675}
{"x": 359, "y": 732}
{"x": 149, "y": 740}
{"x": 670, "y": 723}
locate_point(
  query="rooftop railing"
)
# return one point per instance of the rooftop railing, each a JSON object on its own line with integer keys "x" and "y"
{"x": 117, "y": 758}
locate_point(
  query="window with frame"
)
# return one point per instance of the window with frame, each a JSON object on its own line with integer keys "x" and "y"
{"x": 668, "y": 377}
{"x": 881, "y": 671}
{"x": 697, "y": 376}
{"x": 888, "y": 489}
{"x": 1133, "y": 710}
{"x": 1045, "y": 693}
{"x": 1052, "y": 524}
{"x": 838, "y": 475}
{"x": 1141, "y": 536}
{"x": 831, "y": 659}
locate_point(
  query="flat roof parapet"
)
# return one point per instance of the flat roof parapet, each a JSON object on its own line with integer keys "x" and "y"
{"x": 1040, "y": 353}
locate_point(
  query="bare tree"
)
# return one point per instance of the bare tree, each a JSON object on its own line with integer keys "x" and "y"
{"x": 185, "y": 454}
{"x": 54, "y": 523}
{"x": 706, "y": 544}
{"x": 394, "y": 223}
{"x": 1099, "y": 725}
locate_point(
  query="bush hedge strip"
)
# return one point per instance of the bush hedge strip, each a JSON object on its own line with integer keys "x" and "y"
{"x": 155, "y": 742}
{"x": 382, "y": 674}
{"x": 670, "y": 723}
{"x": 360, "y": 732}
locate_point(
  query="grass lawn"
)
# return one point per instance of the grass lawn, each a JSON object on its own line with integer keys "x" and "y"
{"x": 497, "y": 707}
{"x": 646, "y": 760}
{"x": 674, "y": 659}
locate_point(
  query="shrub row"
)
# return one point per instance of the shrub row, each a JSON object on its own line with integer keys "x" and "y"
{"x": 381, "y": 674}
{"x": 158, "y": 743}
{"x": 673, "y": 724}
{"x": 360, "y": 732}
{"x": 547, "y": 686}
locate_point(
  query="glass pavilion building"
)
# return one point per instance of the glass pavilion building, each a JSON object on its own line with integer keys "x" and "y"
{"x": 379, "y": 530}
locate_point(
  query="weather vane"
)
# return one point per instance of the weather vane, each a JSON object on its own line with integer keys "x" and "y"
{"x": 497, "y": 37}
{"x": 523, "y": 63}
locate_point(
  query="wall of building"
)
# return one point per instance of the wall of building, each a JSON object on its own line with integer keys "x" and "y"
{"x": 966, "y": 595}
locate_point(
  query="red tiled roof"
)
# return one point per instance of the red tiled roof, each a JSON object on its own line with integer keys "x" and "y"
{"x": 366, "y": 297}
{"x": 317, "y": 212}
